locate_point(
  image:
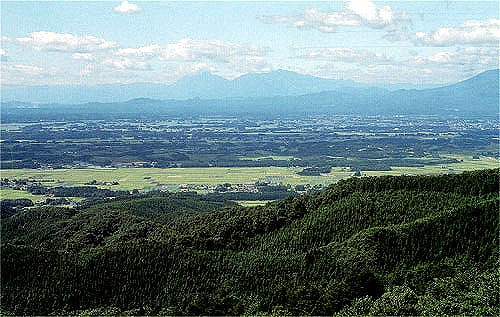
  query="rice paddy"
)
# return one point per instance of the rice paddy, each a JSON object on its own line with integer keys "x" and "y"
{"x": 153, "y": 178}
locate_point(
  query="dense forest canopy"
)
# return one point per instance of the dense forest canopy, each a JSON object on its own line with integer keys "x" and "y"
{"x": 403, "y": 245}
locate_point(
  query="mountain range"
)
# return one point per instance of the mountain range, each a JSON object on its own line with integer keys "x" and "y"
{"x": 475, "y": 97}
{"x": 201, "y": 85}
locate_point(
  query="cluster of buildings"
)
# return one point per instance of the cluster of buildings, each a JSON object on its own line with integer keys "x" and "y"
{"x": 220, "y": 188}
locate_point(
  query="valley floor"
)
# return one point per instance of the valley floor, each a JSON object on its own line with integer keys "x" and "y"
{"x": 203, "y": 180}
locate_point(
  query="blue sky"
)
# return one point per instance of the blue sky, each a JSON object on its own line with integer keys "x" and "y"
{"x": 88, "y": 43}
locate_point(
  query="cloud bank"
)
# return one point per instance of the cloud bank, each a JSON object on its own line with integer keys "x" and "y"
{"x": 105, "y": 58}
{"x": 65, "y": 42}
{"x": 357, "y": 13}
{"x": 467, "y": 33}
{"x": 345, "y": 55}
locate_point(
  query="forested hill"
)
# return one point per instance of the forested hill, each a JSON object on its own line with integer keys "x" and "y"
{"x": 377, "y": 245}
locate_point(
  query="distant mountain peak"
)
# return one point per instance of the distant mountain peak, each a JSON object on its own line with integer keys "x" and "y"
{"x": 489, "y": 78}
{"x": 202, "y": 75}
{"x": 207, "y": 85}
{"x": 492, "y": 74}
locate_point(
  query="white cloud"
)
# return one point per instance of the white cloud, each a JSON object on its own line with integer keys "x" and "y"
{"x": 3, "y": 55}
{"x": 458, "y": 63}
{"x": 467, "y": 33}
{"x": 439, "y": 67}
{"x": 356, "y": 13}
{"x": 107, "y": 57}
{"x": 438, "y": 58}
{"x": 127, "y": 7}
{"x": 124, "y": 63}
{"x": 84, "y": 56}
{"x": 215, "y": 50}
{"x": 142, "y": 52}
{"x": 16, "y": 74}
{"x": 193, "y": 68}
{"x": 370, "y": 15}
{"x": 190, "y": 50}
{"x": 389, "y": 74}
{"x": 229, "y": 58}
{"x": 461, "y": 58}
{"x": 64, "y": 42}
{"x": 23, "y": 69}
{"x": 346, "y": 55}
{"x": 196, "y": 53}
{"x": 109, "y": 60}
{"x": 253, "y": 64}
{"x": 482, "y": 55}
{"x": 87, "y": 69}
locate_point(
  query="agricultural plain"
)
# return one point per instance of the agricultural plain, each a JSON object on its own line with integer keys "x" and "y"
{"x": 172, "y": 179}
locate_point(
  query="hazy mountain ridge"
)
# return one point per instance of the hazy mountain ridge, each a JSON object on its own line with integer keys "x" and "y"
{"x": 201, "y": 85}
{"x": 476, "y": 96}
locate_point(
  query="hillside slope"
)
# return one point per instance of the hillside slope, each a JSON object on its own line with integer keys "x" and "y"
{"x": 378, "y": 245}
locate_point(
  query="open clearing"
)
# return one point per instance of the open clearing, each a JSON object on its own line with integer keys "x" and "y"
{"x": 252, "y": 203}
{"x": 7, "y": 193}
{"x": 467, "y": 164}
{"x": 271, "y": 157}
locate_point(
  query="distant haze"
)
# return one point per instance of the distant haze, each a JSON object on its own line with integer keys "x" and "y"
{"x": 202, "y": 85}
{"x": 477, "y": 96}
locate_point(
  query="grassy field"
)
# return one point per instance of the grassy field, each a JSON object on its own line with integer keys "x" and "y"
{"x": 147, "y": 178}
{"x": 272, "y": 157}
{"x": 467, "y": 164}
{"x": 7, "y": 193}
{"x": 252, "y": 203}
{"x": 150, "y": 178}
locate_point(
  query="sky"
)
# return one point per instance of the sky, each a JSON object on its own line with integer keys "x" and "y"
{"x": 382, "y": 42}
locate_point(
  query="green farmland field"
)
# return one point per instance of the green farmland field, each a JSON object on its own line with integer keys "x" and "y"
{"x": 7, "y": 193}
{"x": 151, "y": 178}
{"x": 467, "y": 164}
{"x": 147, "y": 178}
{"x": 252, "y": 203}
